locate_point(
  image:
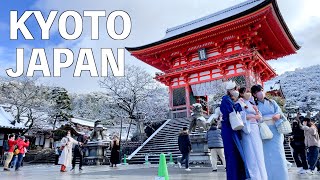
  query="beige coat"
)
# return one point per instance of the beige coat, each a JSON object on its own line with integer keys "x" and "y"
{"x": 311, "y": 136}
{"x": 66, "y": 155}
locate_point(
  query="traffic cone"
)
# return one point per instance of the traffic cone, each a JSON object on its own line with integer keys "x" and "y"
{"x": 146, "y": 159}
{"x": 171, "y": 162}
{"x": 163, "y": 169}
{"x": 125, "y": 160}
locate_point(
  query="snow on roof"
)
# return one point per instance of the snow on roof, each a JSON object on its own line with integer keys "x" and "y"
{"x": 6, "y": 119}
{"x": 83, "y": 122}
{"x": 276, "y": 86}
{"x": 212, "y": 18}
{"x": 271, "y": 85}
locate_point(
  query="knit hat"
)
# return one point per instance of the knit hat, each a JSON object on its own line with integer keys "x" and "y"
{"x": 230, "y": 85}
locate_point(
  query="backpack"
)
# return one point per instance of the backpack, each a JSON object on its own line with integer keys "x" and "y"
{"x": 16, "y": 150}
{"x": 6, "y": 146}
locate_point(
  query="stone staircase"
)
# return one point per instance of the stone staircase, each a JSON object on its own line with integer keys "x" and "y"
{"x": 287, "y": 150}
{"x": 165, "y": 141}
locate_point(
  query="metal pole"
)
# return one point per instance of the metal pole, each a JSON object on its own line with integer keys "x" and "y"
{"x": 129, "y": 129}
{"x": 120, "y": 138}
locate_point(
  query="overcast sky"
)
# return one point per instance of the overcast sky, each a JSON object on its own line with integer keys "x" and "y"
{"x": 150, "y": 19}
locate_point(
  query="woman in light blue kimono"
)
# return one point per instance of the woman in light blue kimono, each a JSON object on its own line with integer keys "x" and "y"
{"x": 273, "y": 149}
{"x": 251, "y": 139}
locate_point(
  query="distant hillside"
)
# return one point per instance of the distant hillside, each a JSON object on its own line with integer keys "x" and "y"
{"x": 301, "y": 87}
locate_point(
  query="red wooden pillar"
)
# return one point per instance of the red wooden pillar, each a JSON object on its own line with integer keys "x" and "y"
{"x": 188, "y": 99}
{"x": 207, "y": 100}
{"x": 170, "y": 97}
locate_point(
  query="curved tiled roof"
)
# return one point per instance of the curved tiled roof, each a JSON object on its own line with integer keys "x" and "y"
{"x": 216, "y": 19}
{"x": 212, "y": 18}
{"x": 6, "y": 120}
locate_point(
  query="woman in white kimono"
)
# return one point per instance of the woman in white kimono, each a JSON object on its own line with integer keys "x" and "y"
{"x": 251, "y": 139}
{"x": 274, "y": 156}
{"x": 66, "y": 145}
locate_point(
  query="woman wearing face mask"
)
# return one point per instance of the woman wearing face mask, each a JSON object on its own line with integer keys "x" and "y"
{"x": 251, "y": 140}
{"x": 234, "y": 155}
{"x": 274, "y": 155}
{"x": 66, "y": 144}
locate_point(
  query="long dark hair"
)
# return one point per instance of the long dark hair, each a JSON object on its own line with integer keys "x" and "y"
{"x": 308, "y": 121}
{"x": 256, "y": 88}
{"x": 242, "y": 91}
{"x": 296, "y": 124}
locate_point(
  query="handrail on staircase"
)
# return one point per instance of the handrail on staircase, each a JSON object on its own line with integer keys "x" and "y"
{"x": 145, "y": 142}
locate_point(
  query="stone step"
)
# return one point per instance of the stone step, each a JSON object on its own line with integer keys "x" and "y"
{"x": 165, "y": 141}
{"x": 167, "y": 150}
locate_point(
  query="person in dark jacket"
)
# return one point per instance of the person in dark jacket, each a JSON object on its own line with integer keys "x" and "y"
{"x": 115, "y": 151}
{"x": 184, "y": 147}
{"x": 78, "y": 152}
{"x": 215, "y": 144}
{"x": 298, "y": 146}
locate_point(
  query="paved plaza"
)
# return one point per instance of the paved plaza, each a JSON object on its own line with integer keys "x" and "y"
{"x": 131, "y": 172}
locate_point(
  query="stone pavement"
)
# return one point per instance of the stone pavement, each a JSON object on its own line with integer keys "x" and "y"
{"x": 131, "y": 172}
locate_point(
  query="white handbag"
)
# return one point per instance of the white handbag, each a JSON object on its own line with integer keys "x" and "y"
{"x": 284, "y": 127}
{"x": 236, "y": 121}
{"x": 265, "y": 131}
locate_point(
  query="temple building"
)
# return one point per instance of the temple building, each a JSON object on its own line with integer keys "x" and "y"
{"x": 8, "y": 126}
{"x": 235, "y": 43}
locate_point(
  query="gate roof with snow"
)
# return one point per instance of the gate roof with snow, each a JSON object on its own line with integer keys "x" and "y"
{"x": 234, "y": 43}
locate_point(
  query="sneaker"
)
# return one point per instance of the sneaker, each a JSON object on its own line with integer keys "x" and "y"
{"x": 188, "y": 169}
{"x": 302, "y": 171}
{"x": 17, "y": 169}
{"x": 310, "y": 172}
{"x": 179, "y": 165}
{"x": 80, "y": 169}
{"x": 299, "y": 169}
{"x": 72, "y": 169}
{"x": 6, "y": 169}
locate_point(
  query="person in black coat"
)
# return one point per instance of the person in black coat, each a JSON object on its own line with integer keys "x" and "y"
{"x": 298, "y": 146}
{"x": 184, "y": 147}
{"x": 78, "y": 152}
{"x": 115, "y": 151}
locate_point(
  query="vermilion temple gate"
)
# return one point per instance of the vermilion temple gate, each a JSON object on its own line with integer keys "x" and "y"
{"x": 234, "y": 43}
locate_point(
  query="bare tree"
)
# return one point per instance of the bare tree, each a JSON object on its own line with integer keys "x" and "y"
{"x": 131, "y": 92}
{"x": 25, "y": 97}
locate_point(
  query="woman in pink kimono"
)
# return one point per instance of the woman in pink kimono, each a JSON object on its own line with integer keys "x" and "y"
{"x": 251, "y": 139}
